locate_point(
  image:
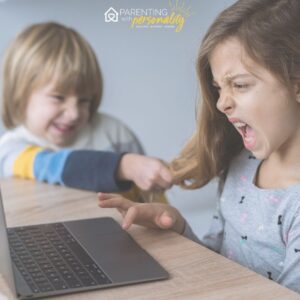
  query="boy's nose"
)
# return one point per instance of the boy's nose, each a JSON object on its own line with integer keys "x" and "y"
{"x": 225, "y": 103}
{"x": 71, "y": 112}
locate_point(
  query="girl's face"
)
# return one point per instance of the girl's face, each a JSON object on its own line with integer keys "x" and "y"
{"x": 258, "y": 105}
{"x": 55, "y": 117}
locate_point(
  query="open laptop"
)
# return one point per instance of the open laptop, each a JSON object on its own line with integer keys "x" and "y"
{"x": 53, "y": 259}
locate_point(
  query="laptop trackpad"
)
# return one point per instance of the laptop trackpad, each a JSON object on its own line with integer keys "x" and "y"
{"x": 120, "y": 257}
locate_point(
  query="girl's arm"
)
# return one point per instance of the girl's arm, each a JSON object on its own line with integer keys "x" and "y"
{"x": 290, "y": 275}
{"x": 151, "y": 215}
{"x": 214, "y": 237}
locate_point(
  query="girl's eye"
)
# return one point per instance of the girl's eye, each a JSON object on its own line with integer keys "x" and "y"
{"x": 240, "y": 86}
{"x": 217, "y": 88}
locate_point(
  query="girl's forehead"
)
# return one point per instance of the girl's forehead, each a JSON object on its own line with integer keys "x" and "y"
{"x": 230, "y": 59}
{"x": 226, "y": 60}
{"x": 229, "y": 49}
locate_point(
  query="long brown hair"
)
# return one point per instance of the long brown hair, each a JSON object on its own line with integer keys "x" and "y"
{"x": 269, "y": 31}
{"x": 43, "y": 52}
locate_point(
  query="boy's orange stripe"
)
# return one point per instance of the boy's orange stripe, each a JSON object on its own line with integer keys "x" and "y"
{"x": 23, "y": 165}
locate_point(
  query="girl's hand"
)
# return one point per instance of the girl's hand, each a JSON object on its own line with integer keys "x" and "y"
{"x": 153, "y": 215}
{"x": 147, "y": 173}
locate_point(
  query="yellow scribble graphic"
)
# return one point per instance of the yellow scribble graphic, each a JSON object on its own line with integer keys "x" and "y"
{"x": 174, "y": 19}
{"x": 179, "y": 11}
{"x": 180, "y": 7}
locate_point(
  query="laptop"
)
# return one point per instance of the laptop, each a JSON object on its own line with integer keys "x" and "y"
{"x": 67, "y": 257}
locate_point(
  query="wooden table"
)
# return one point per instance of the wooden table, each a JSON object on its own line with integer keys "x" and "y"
{"x": 196, "y": 272}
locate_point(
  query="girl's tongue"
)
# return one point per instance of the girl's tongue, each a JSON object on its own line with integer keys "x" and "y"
{"x": 249, "y": 137}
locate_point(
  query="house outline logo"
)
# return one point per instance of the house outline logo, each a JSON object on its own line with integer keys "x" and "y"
{"x": 111, "y": 15}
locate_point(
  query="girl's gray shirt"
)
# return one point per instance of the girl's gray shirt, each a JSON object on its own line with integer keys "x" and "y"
{"x": 258, "y": 228}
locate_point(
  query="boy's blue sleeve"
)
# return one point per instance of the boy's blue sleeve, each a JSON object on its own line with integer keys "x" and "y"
{"x": 48, "y": 165}
{"x": 93, "y": 170}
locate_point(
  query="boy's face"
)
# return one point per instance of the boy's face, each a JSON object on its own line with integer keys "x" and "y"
{"x": 55, "y": 117}
{"x": 259, "y": 106}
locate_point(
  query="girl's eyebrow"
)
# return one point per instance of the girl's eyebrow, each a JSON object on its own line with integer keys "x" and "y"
{"x": 232, "y": 77}
{"x": 229, "y": 78}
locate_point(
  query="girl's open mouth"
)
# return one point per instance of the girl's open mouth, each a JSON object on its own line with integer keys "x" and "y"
{"x": 247, "y": 133}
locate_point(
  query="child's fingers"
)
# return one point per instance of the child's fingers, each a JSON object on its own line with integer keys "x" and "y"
{"x": 116, "y": 202}
{"x": 143, "y": 214}
{"x": 166, "y": 178}
{"x": 148, "y": 215}
{"x": 163, "y": 183}
{"x": 129, "y": 217}
{"x": 122, "y": 212}
{"x": 104, "y": 196}
{"x": 165, "y": 221}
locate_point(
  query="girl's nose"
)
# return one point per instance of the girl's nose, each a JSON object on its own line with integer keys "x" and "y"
{"x": 225, "y": 103}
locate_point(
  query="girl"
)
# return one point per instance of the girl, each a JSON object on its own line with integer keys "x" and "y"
{"x": 52, "y": 89}
{"x": 248, "y": 135}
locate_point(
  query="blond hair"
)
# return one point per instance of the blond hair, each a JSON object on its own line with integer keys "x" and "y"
{"x": 269, "y": 31}
{"x": 45, "y": 52}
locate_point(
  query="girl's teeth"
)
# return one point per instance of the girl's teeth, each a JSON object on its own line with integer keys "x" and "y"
{"x": 239, "y": 124}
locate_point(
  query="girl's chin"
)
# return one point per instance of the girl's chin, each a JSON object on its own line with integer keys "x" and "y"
{"x": 261, "y": 153}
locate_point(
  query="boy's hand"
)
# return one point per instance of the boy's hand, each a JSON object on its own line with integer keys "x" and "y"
{"x": 146, "y": 172}
{"x": 153, "y": 215}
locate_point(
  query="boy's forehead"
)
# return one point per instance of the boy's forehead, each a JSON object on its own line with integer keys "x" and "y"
{"x": 64, "y": 85}
{"x": 66, "y": 82}
{"x": 58, "y": 87}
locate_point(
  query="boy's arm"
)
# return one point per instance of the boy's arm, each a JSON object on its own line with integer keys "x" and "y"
{"x": 93, "y": 170}
{"x": 83, "y": 169}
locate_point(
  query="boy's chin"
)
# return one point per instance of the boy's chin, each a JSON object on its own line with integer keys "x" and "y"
{"x": 63, "y": 141}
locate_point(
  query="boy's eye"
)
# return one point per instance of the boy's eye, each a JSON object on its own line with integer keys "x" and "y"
{"x": 84, "y": 100}
{"x": 58, "y": 97}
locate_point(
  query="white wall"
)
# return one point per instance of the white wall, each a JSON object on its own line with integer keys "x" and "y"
{"x": 149, "y": 74}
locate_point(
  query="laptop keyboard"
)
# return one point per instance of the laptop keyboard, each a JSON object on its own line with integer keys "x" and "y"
{"x": 50, "y": 259}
